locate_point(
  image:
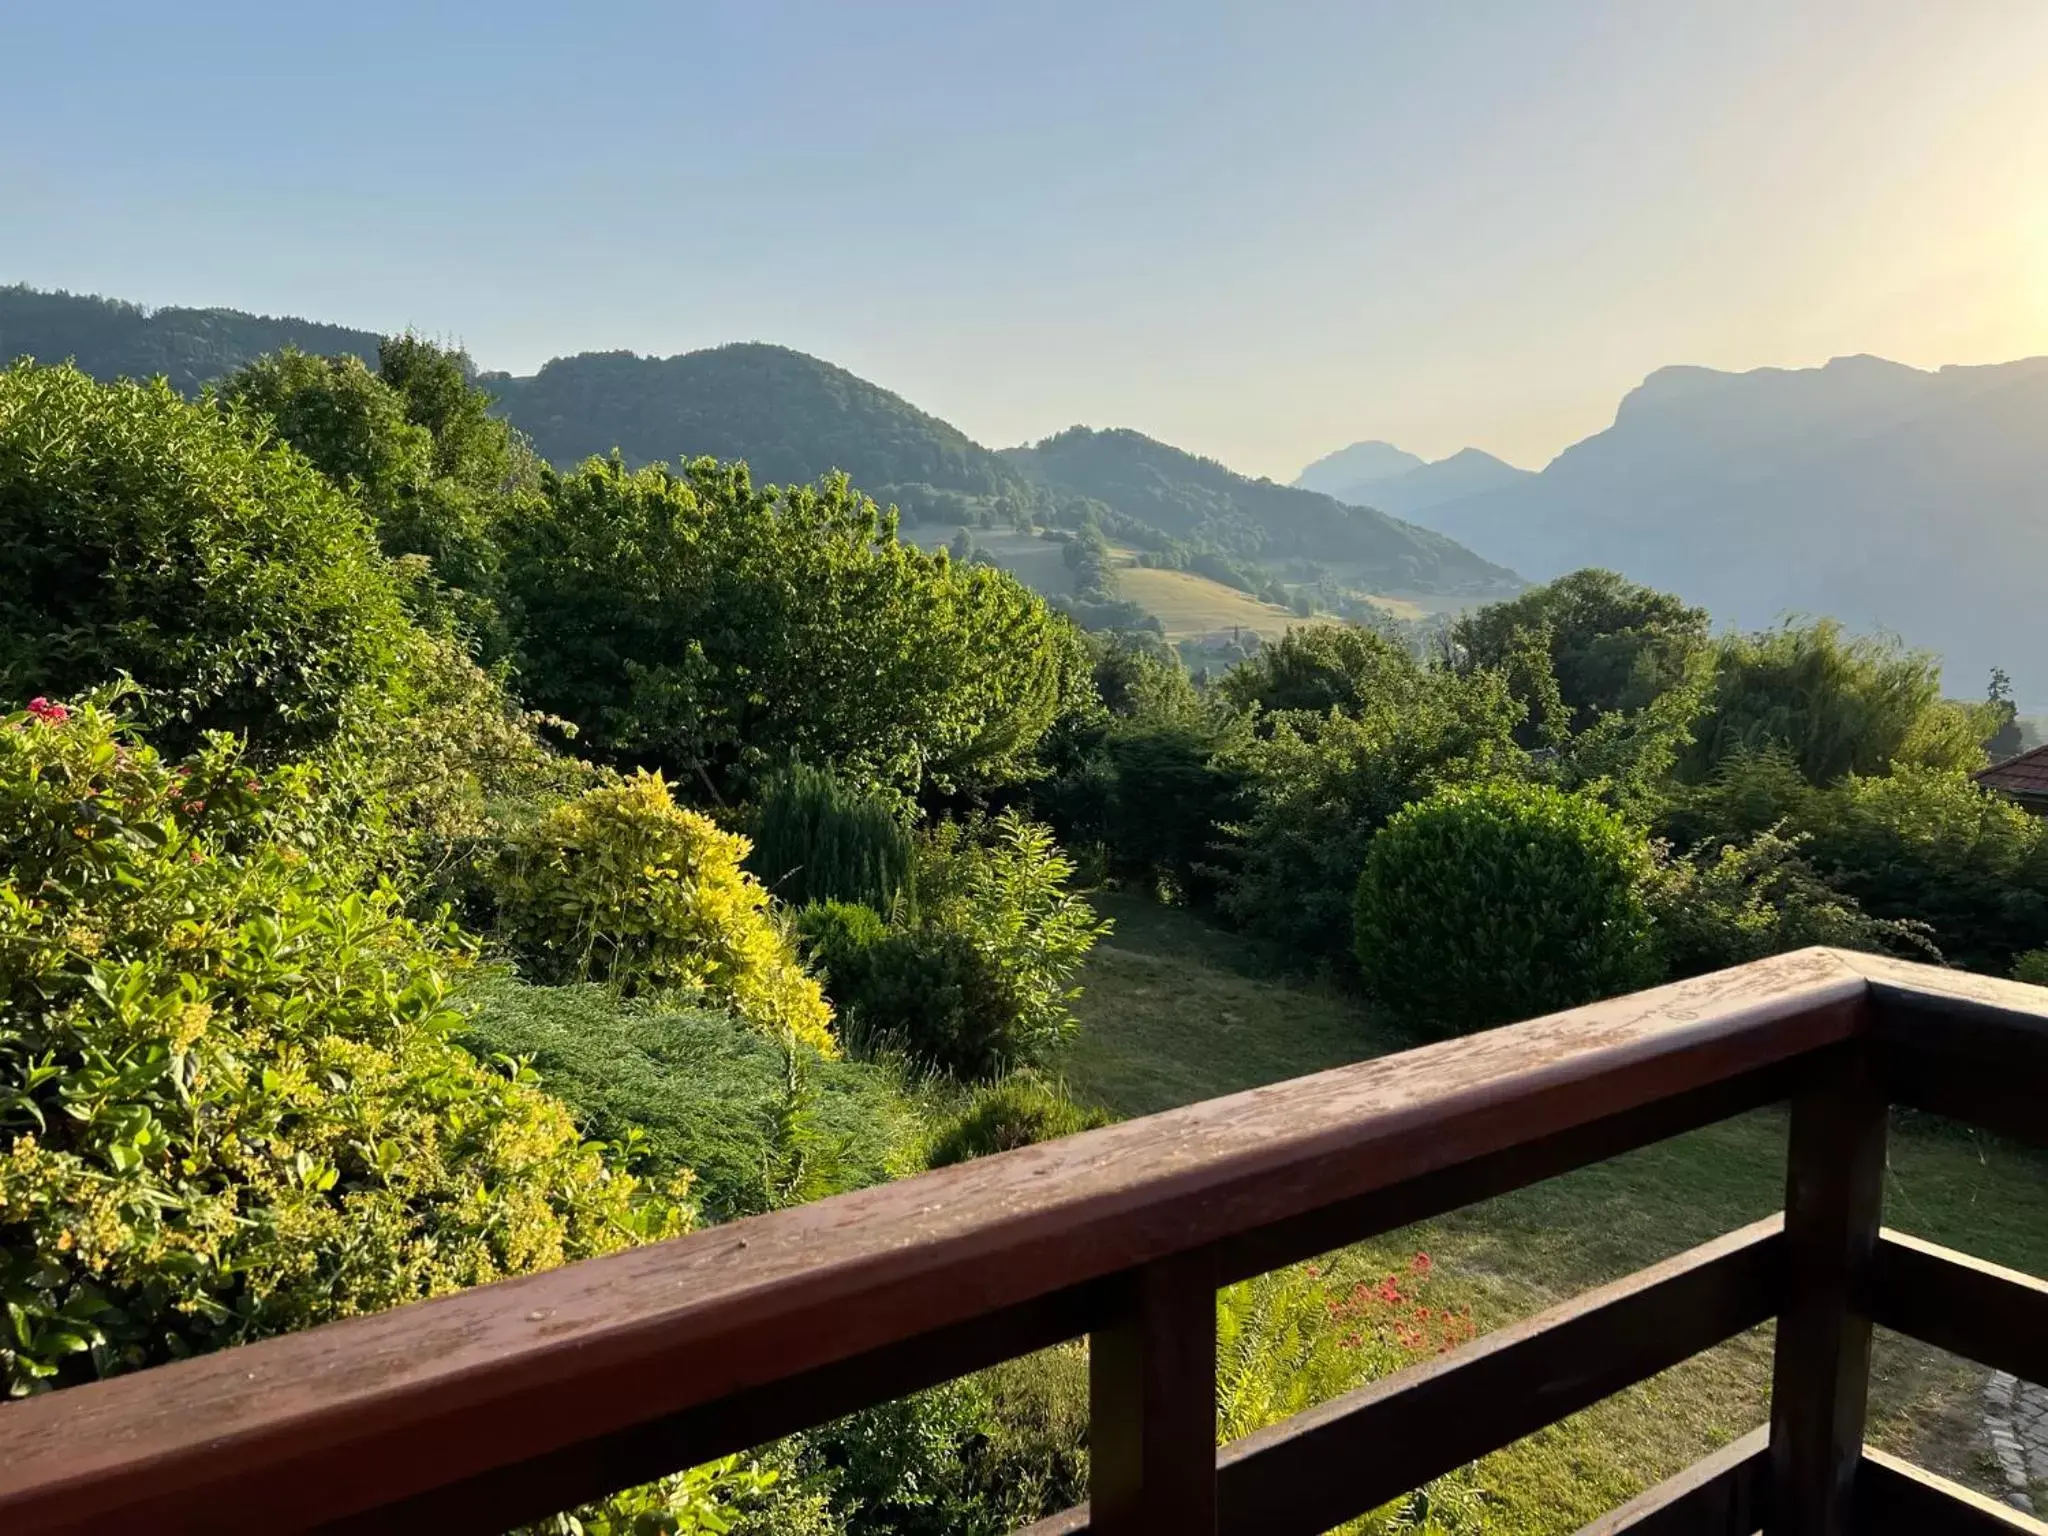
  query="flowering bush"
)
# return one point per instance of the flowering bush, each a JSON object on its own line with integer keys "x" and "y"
{"x": 623, "y": 885}
{"x": 229, "y": 1100}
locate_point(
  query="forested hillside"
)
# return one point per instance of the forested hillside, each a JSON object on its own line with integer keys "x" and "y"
{"x": 190, "y": 347}
{"x": 1199, "y": 500}
{"x": 793, "y": 419}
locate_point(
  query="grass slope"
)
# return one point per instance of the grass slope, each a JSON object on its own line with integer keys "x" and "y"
{"x": 1191, "y": 606}
{"x": 1172, "y": 1012}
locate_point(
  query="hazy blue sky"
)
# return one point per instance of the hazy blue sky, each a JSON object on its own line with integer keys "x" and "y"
{"x": 1258, "y": 230}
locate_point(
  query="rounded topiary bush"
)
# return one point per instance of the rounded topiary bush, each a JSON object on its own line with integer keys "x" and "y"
{"x": 1016, "y": 1112}
{"x": 623, "y": 885}
{"x": 230, "y": 1100}
{"x": 1501, "y": 901}
{"x": 142, "y": 533}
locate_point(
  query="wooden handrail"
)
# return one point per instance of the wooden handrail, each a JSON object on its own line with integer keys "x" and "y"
{"x": 502, "y": 1404}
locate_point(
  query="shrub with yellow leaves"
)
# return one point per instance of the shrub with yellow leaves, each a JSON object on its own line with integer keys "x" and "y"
{"x": 230, "y": 1103}
{"x": 623, "y": 885}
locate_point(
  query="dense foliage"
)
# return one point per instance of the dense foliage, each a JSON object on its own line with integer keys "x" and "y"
{"x": 976, "y": 982}
{"x": 1837, "y": 704}
{"x": 794, "y": 419}
{"x": 228, "y": 1089}
{"x": 623, "y": 885}
{"x": 1610, "y": 645}
{"x": 817, "y": 838}
{"x": 189, "y": 347}
{"x": 146, "y": 535}
{"x": 1016, "y": 1112}
{"x": 1496, "y": 902}
{"x": 313, "y": 1013}
{"x": 414, "y": 441}
{"x": 691, "y": 621}
{"x": 1320, "y": 786}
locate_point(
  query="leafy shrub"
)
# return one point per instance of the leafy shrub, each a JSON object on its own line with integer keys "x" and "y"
{"x": 2032, "y": 968}
{"x": 976, "y": 1457}
{"x": 1318, "y": 787}
{"x": 143, "y": 534}
{"x": 1144, "y": 776}
{"x": 623, "y": 885}
{"x": 1918, "y": 846}
{"x": 1000, "y": 1117}
{"x": 938, "y": 998}
{"x": 761, "y": 1495}
{"x": 229, "y": 1100}
{"x": 818, "y": 838}
{"x": 978, "y": 983}
{"x": 1926, "y": 845}
{"x": 1501, "y": 901}
{"x": 1743, "y": 901}
{"x": 690, "y": 621}
{"x": 415, "y": 443}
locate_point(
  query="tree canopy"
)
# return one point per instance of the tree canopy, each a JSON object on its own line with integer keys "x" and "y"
{"x": 690, "y": 620}
{"x": 142, "y": 533}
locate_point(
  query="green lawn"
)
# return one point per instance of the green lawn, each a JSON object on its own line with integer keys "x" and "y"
{"x": 1173, "y": 1012}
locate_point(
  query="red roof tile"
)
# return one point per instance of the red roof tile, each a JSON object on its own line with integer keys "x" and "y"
{"x": 2026, "y": 774}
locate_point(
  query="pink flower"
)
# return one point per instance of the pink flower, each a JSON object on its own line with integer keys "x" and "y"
{"x": 48, "y": 713}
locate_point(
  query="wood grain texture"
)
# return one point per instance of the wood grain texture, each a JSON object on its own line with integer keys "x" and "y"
{"x": 1974, "y": 1048}
{"x": 1985, "y": 1312}
{"x": 1896, "y": 1498}
{"x": 1725, "y": 1494}
{"x": 1820, "y": 1379}
{"x": 1353, "y": 1453}
{"x": 342, "y": 1420}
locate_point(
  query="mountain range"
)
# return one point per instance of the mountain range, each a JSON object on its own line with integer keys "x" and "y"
{"x": 1376, "y": 474}
{"x": 1890, "y": 497}
{"x": 793, "y": 418}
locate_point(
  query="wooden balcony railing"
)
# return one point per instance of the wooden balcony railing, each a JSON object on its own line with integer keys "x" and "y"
{"x": 497, "y": 1406}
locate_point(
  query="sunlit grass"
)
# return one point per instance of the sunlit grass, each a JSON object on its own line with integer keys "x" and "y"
{"x": 1174, "y": 1012}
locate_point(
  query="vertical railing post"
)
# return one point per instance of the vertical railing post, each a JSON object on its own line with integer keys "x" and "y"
{"x": 1820, "y": 1382}
{"x": 1152, "y": 1406}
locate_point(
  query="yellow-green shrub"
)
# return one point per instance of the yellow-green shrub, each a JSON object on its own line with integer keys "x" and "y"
{"x": 229, "y": 1100}
{"x": 623, "y": 885}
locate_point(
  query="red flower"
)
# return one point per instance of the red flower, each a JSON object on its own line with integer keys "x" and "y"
{"x": 48, "y": 713}
{"x": 1420, "y": 1264}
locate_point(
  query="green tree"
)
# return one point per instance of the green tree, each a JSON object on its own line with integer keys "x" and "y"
{"x": 688, "y": 620}
{"x": 2006, "y": 740}
{"x": 1317, "y": 788}
{"x": 143, "y": 534}
{"x": 1612, "y": 645}
{"x": 1837, "y": 704}
{"x": 1320, "y": 667}
{"x": 818, "y": 838}
{"x": 416, "y": 442}
{"x": 1495, "y": 902}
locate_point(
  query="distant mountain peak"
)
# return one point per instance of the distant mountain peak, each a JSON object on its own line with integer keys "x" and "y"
{"x": 1359, "y": 464}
